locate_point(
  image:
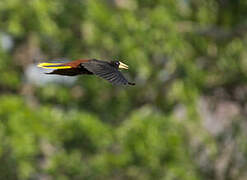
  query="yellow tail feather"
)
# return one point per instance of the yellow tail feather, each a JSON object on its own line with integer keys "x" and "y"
{"x": 53, "y": 66}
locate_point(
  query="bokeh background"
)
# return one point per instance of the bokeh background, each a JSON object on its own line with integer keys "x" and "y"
{"x": 185, "y": 118}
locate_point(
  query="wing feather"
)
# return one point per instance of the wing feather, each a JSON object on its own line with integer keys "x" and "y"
{"x": 106, "y": 71}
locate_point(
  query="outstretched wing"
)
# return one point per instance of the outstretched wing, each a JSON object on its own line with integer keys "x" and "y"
{"x": 105, "y": 71}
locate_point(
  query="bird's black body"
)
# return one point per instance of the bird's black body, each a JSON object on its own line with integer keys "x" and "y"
{"x": 106, "y": 70}
{"x": 71, "y": 72}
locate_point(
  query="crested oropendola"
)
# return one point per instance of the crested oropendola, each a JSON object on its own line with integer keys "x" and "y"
{"x": 106, "y": 70}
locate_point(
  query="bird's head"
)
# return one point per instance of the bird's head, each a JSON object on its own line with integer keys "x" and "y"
{"x": 119, "y": 65}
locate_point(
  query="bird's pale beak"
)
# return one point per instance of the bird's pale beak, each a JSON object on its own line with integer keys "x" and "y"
{"x": 123, "y": 66}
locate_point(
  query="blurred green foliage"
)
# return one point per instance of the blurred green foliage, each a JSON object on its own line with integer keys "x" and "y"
{"x": 185, "y": 118}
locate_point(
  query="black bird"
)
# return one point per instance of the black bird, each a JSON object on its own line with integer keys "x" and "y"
{"x": 106, "y": 70}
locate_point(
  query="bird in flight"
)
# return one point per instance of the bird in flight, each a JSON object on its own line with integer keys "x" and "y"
{"x": 106, "y": 70}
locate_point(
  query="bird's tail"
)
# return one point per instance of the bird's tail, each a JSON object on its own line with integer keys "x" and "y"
{"x": 54, "y": 66}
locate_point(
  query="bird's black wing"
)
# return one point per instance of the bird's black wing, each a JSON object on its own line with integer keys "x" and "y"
{"x": 106, "y": 71}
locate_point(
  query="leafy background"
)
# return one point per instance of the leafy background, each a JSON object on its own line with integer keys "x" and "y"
{"x": 185, "y": 118}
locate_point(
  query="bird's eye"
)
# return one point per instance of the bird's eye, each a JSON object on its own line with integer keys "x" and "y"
{"x": 117, "y": 63}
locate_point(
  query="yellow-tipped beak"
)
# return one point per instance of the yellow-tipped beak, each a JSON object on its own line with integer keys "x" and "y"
{"x": 123, "y": 66}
